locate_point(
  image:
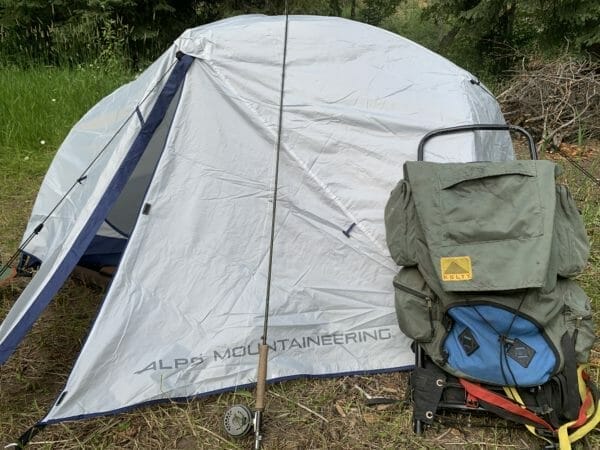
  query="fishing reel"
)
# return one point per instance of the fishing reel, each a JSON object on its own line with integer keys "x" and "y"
{"x": 238, "y": 421}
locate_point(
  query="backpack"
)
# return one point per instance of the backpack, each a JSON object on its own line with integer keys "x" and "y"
{"x": 488, "y": 250}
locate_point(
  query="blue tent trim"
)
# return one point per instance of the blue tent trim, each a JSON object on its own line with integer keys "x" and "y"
{"x": 221, "y": 391}
{"x": 111, "y": 194}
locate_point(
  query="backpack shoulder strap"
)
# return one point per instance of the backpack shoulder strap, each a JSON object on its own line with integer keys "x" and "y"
{"x": 504, "y": 406}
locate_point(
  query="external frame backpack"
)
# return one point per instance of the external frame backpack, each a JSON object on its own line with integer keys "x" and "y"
{"x": 487, "y": 250}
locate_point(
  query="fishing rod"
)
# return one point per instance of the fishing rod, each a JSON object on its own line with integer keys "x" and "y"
{"x": 237, "y": 418}
{"x": 261, "y": 381}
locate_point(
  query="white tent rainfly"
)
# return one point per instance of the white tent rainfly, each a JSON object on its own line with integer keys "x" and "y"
{"x": 170, "y": 179}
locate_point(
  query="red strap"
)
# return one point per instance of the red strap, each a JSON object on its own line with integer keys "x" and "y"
{"x": 488, "y": 396}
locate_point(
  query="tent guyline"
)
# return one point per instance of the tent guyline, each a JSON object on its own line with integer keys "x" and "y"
{"x": 83, "y": 175}
{"x": 581, "y": 169}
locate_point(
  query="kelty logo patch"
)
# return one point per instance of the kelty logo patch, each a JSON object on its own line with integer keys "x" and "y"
{"x": 456, "y": 268}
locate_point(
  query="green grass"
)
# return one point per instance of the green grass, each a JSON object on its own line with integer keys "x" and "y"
{"x": 316, "y": 414}
{"x": 39, "y": 106}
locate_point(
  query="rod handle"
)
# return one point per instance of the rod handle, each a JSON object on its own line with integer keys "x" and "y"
{"x": 261, "y": 381}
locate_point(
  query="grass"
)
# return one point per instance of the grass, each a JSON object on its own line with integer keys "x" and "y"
{"x": 316, "y": 414}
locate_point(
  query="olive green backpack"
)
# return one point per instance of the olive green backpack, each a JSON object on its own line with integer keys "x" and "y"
{"x": 488, "y": 251}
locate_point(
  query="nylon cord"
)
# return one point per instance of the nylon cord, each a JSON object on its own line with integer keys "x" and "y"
{"x": 278, "y": 152}
{"x": 578, "y": 166}
{"x": 505, "y": 353}
{"x": 81, "y": 178}
{"x": 503, "y": 350}
{"x": 500, "y": 335}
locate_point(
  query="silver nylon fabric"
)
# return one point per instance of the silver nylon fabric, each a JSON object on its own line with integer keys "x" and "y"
{"x": 184, "y": 314}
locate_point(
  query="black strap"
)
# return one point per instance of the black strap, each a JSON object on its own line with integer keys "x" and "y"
{"x": 507, "y": 415}
{"x": 570, "y": 390}
{"x": 427, "y": 385}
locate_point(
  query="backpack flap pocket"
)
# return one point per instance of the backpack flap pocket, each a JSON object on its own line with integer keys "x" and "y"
{"x": 486, "y": 203}
{"x": 475, "y": 171}
{"x": 495, "y": 226}
{"x": 416, "y": 305}
{"x": 486, "y": 225}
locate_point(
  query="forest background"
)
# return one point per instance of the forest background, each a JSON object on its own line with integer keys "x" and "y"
{"x": 487, "y": 37}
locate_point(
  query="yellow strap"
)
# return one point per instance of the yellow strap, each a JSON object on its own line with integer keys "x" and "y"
{"x": 592, "y": 414}
{"x": 583, "y": 389}
{"x": 564, "y": 442}
{"x": 588, "y": 426}
{"x": 564, "y": 438}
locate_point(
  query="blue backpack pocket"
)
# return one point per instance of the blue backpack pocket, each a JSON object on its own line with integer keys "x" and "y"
{"x": 496, "y": 345}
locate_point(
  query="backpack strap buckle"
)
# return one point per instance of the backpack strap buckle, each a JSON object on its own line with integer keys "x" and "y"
{"x": 471, "y": 401}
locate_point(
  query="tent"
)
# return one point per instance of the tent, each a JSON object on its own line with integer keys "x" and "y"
{"x": 171, "y": 177}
